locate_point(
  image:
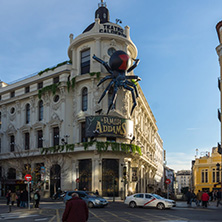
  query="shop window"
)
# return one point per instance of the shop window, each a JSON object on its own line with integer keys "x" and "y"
{"x": 40, "y": 110}
{"x": 27, "y": 113}
{"x": 85, "y": 61}
{"x": 84, "y": 99}
{"x": 27, "y": 141}
{"x": 40, "y": 139}
{"x": 55, "y": 136}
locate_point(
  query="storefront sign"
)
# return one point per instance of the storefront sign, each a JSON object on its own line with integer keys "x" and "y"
{"x": 108, "y": 126}
{"x": 112, "y": 29}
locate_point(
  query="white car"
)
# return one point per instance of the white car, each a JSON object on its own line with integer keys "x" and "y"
{"x": 149, "y": 200}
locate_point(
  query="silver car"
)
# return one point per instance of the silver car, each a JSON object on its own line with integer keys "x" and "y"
{"x": 91, "y": 199}
{"x": 149, "y": 200}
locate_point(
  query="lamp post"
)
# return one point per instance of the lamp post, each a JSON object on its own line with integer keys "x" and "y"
{"x": 219, "y": 169}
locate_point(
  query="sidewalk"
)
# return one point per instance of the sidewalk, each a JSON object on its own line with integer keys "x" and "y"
{"x": 183, "y": 204}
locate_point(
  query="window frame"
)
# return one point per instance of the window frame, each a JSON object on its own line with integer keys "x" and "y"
{"x": 85, "y": 61}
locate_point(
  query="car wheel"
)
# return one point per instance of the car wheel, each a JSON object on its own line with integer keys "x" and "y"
{"x": 90, "y": 205}
{"x": 160, "y": 206}
{"x": 132, "y": 204}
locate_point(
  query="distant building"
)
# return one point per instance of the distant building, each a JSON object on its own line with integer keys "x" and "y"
{"x": 206, "y": 175}
{"x": 183, "y": 178}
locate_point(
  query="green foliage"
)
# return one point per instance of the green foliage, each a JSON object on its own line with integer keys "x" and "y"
{"x": 54, "y": 67}
{"x": 52, "y": 88}
{"x": 95, "y": 73}
{"x": 100, "y": 146}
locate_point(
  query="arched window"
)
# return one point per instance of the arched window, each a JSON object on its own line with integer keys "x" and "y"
{"x": 40, "y": 110}
{"x": 11, "y": 173}
{"x": 27, "y": 113}
{"x": 84, "y": 99}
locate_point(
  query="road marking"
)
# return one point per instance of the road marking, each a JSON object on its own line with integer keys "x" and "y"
{"x": 52, "y": 218}
{"x": 117, "y": 216}
{"x": 40, "y": 219}
{"x": 57, "y": 214}
{"x": 137, "y": 216}
{"x": 97, "y": 216}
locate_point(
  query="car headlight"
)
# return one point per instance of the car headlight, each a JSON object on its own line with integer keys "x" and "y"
{"x": 97, "y": 201}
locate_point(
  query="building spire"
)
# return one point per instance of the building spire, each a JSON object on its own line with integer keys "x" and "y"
{"x": 102, "y": 4}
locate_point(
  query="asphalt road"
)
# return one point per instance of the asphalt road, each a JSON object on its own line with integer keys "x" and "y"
{"x": 52, "y": 212}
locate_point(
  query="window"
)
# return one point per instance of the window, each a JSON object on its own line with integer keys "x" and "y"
{"x": 27, "y": 113}
{"x": 84, "y": 99}
{"x": 56, "y": 80}
{"x": 55, "y": 136}
{"x": 204, "y": 176}
{"x": 12, "y": 143}
{"x": 40, "y": 85}
{"x": 12, "y": 110}
{"x": 12, "y": 94}
{"x": 27, "y": 143}
{"x": 0, "y": 97}
{"x": 40, "y": 110}
{"x": 12, "y": 173}
{"x": 218, "y": 176}
{"x": 27, "y": 89}
{"x": 213, "y": 176}
{"x": 83, "y": 133}
{"x": 110, "y": 96}
{"x": 40, "y": 139}
{"x": 85, "y": 61}
{"x": 138, "y": 196}
{"x": 56, "y": 98}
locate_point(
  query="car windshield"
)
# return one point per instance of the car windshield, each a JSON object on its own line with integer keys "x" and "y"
{"x": 157, "y": 196}
{"x": 91, "y": 194}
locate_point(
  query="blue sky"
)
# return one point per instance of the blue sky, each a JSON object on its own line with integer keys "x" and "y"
{"x": 176, "y": 43}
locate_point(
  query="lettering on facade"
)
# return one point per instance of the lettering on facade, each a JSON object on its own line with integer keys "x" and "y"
{"x": 108, "y": 126}
{"x": 112, "y": 29}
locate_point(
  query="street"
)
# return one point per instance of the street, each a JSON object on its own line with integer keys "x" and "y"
{"x": 52, "y": 212}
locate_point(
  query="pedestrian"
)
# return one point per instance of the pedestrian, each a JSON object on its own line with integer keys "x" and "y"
{"x": 13, "y": 198}
{"x": 219, "y": 197}
{"x": 18, "y": 193}
{"x": 189, "y": 197}
{"x": 76, "y": 210}
{"x": 25, "y": 198}
{"x": 199, "y": 195}
{"x": 205, "y": 198}
{"x": 97, "y": 192}
{"x": 36, "y": 198}
{"x": 8, "y": 197}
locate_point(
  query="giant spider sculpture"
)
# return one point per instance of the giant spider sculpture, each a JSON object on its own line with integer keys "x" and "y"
{"x": 118, "y": 68}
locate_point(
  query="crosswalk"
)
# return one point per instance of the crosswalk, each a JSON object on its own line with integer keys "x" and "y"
{"x": 20, "y": 215}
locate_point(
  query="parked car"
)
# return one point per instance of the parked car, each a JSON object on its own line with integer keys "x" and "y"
{"x": 149, "y": 200}
{"x": 91, "y": 199}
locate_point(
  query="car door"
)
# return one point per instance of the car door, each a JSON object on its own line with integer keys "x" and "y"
{"x": 149, "y": 200}
{"x": 139, "y": 199}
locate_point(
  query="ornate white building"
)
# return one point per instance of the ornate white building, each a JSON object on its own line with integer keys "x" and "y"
{"x": 47, "y": 123}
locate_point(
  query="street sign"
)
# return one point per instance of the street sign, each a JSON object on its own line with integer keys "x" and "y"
{"x": 77, "y": 180}
{"x": 28, "y": 177}
{"x": 167, "y": 181}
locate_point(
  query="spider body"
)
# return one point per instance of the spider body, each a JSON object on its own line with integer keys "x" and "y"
{"x": 118, "y": 69}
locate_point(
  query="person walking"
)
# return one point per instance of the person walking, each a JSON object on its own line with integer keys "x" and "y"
{"x": 8, "y": 197}
{"x": 189, "y": 197}
{"x": 13, "y": 198}
{"x": 205, "y": 198}
{"x": 199, "y": 195}
{"x": 219, "y": 197}
{"x": 37, "y": 198}
{"x": 18, "y": 193}
{"x": 76, "y": 210}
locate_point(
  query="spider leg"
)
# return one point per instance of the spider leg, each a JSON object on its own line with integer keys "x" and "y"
{"x": 104, "y": 79}
{"x": 133, "y": 96}
{"x": 133, "y": 77}
{"x": 134, "y": 86}
{"x": 105, "y": 91}
{"x": 134, "y": 65}
{"x": 113, "y": 98}
{"x": 105, "y": 64}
